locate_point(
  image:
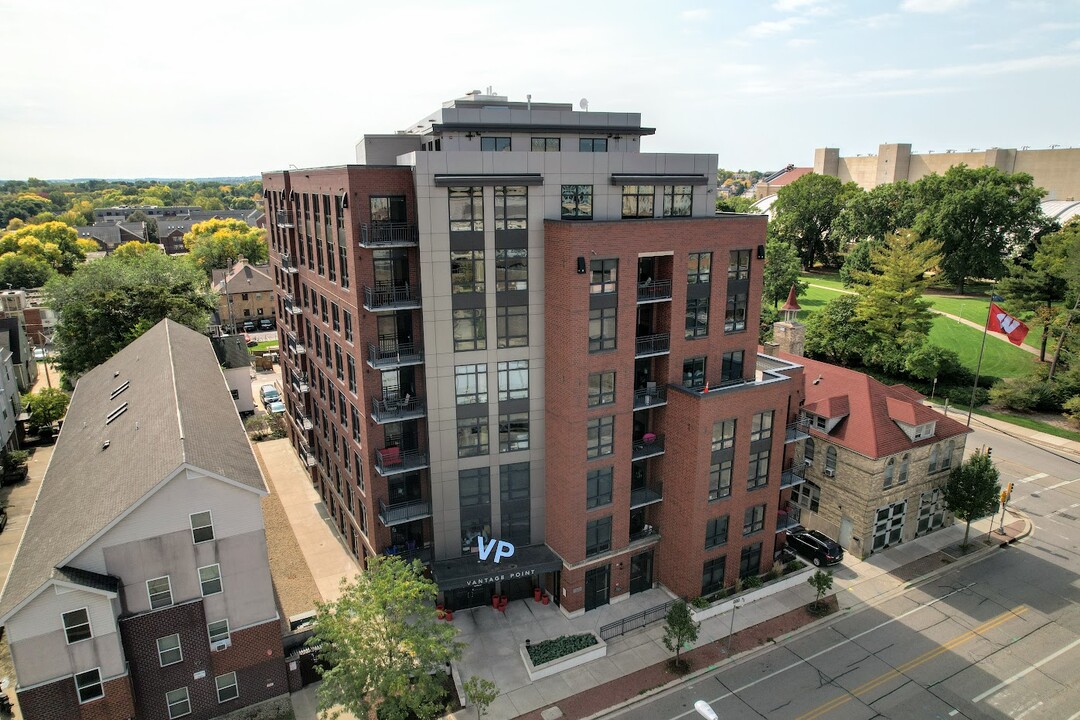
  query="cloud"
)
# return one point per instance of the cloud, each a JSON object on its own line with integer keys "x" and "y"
{"x": 874, "y": 22}
{"x": 774, "y": 27}
{"x": 937, "y": 7}
{"x": 1029, "y": 64}
{"x": 695, "y": 15}
{"x": 801, "y": 42}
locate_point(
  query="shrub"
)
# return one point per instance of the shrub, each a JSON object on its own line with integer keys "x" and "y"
{"x": 700, "y": 603}
{"x": 792, "y": 566}
{"x": 549, "y": 650}
{"x": 753, "y": 581}
{"x": 1027, "y": 393}
{"x": 1072, "y": 409}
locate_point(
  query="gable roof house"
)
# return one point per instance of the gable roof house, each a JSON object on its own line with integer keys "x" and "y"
{"x": 141, "y": 587}
{"x": 876, "y": 460}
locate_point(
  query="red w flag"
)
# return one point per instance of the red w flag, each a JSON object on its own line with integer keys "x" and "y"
{"x": 1002, "y": 322}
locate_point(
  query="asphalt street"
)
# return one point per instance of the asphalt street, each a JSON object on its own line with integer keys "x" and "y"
{"x": 999, "y": 638}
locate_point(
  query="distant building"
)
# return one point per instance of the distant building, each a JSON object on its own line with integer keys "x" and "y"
{"x": 10, "y": 402}
{"x": 771, "y": 184}
{"x": 109, "y": 237}
{"x": 235, "y": 361}
{"x": 13, "y": 337}
{"x": 246, "y": 295}
{"x": 39, "y": 322}
{"x": 110, "y": 228}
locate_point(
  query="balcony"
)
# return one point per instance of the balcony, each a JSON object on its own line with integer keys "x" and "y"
{"x": 646, "y": 397}
{"x": 385, "y": 235}
{"x": 791, "y": 477}
{"x": 394, "y": 461}
{"x": 291, "y": 307}
{"x": 789, "y": 518}
{"x": 306, "y": 456}
{"x": 796, "y": 431}
{"x": 397, "y": 409}
{"x": 648, "y": 446}
{"x": 391, "y": 297}
{"x": 401, "y": 513}
{"x": 284, "y": 220}
{"x": 296, "y": 348}
{"x": 300, "y": 383}
{"x": 302, "y": 421}
{"x": 392, "y": 355}
{"x": 411, "y": 551}
{"x": 649, "y": 532}
{"x": 655, "y": 291}
{"x": 649, "y": 345}
{"x": 287, "y": 264}
{"x": 651, "y": 493}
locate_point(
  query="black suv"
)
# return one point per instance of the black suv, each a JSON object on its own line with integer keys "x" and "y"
{"x": 819, "y": 548}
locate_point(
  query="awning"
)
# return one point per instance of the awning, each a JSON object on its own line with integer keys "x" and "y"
{"x": 470, "y": 571}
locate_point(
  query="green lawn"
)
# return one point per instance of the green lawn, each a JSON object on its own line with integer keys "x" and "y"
{"x": 265, "y": 345}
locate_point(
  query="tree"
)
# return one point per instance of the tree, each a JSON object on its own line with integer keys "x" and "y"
{"x": 149, "y": 222}
{"x": 481, "y": 692}
{"x": 217, "y": 244}
{"x": 736, "y": 204}
{"x": 679, "y": 629}
{"x": 20, "y": 271}
{"x": 976, "y": 214}
{"x": 46, "y": 406}
{"x": 105, "y": 305}
{"x": 973, "y": 490}
{"x": 781, "y": 272}
{"x": 804, "y": 212}
{"x": 134, "y": 248}
{"x": 382, "y": 641}
{"x": 858, "y": 260}
{"x": 54, "y": 242}
{"x": 833, "y": 335}
{"x": 821, "y": 581}
{"x": 876, "y": 213}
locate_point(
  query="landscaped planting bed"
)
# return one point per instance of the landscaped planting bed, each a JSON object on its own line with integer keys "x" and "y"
{"x": 549, "y": 650}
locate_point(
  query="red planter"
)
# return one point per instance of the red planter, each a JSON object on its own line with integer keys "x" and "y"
{"x": 537, "y": 592}
{"x": 545, "y": 600}
{"x": 495, "y": 601}
{"x": 449, "y": 616}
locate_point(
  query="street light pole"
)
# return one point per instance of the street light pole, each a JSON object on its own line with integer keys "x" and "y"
{"x": 705, "y": 710}
{"x": 735, "y": 605}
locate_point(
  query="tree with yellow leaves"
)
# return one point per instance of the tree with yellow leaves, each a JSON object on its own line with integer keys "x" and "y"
{"x": 217, "y": 244}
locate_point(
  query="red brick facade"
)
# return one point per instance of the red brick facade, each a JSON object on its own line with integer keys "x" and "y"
{"x": 59, "y": 700}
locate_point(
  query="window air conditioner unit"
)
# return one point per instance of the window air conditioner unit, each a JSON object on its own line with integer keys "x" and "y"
{"x": 808, "y": 462}
{"x": 829, "y": 472}
{"x": 220, "y": 645}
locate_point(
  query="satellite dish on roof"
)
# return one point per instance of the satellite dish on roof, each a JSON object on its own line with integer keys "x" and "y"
{"x": 584, "y": 104}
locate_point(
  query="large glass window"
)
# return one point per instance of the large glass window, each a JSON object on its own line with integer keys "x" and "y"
{"x": 603, "y": 276}
{"x": 808, "y": 452}
{"x": 597, "y": 536}
{"x": 577, "y": 202}
{"x": 513, "y": 432}
{"x": 750, "y": 560}
{"x": 761, "y": 427}
{"x": 757, "y": 475}
{"x": 514, "y": 508}
{"x": 592, "y": 145}
{"x": 470, "y": 329}
{"x": 697, "y": 317}
{"x": 88, "y": 685}
{"x": 602, "y": 328}
{"x": 678, "y": 200}
{"x": 735, "y": 320}
{"x": 732, "y": 367}
{"x": 637, "y": 201}
{"x": 693, "y": 372}
{"x": 712, "y": 575}
{"x": 807, "y": 495}
{"x": 467, "y": 271}
{"x": 513, "y": 380}
{"x": 495, "y": 144}
{"x": 602, "y": 388}
{"x": 388, "y": 209}
{"x": 512, "y": 325}
{"x": 598, "y": 487}
{"x": 699, "y": 268}
{"x": 472, "y": 436}
{"x": 716, "y": 532}
{"x": 511, "y": 207}
{"x": 470, "y": 384}
{"x": 546, "y": 144}
{"x": 77, "y": 625}
{"x": 753, "y": 520}
{"x": 466, "y": 209}
{"x": 720, "y": 480}
{"x": 723, "y": 434}
{"x": 739, "y": 265}
{"x": 601, "y": 436}
{"x": 830, "y": 461}
{"x": 511, "y": 269}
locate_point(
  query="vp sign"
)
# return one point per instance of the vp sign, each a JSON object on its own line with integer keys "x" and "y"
{"x": 503, "y": 549}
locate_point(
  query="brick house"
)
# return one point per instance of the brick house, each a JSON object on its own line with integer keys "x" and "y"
{"x": 245, "y": 294}
{"x": 142, "y": 587}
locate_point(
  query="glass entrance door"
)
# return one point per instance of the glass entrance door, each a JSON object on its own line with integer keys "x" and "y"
{"x": 889, "y": 526}
{"x": 641, "y": 569}
{"x": 596, "y": 587}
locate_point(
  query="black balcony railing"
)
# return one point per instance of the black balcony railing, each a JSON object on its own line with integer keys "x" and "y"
{"x": 291, "y": 307}
{"x": 284, "y": 220}
{"x": 645, "y": 533}
{"x": 296, "y": 348}
{"x": 658, "y": 344}
{"x": 411, "y": 551}
{"x": 287, "y": 263}
{"x": 798, "y": 430}
{"x": 788, "y": 518}
{"x": 651, "y": 493}
{"x": 389, "y": 354}
{"x": 649, "y": 445}
{"x": 654, "y": 291}
{"x": 300, "y": 382}
{"x": 391, "y": 297}
{"x": 389, "y": 235}
{"x": 306, "y": 456}
{"x": 404, "y": 512}
{"x": 397, "y": 409}
{"x": 791, "y": 477}
{"x": 650, "y": 397}
{"x": 392, "y": 461}
{"x": 303, "y": 421}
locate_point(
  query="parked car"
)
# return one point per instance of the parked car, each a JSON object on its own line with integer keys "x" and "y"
{"x": 269, "y": 394}
{"x": 276, "y": 408}
{"x": 266, "y": 324}
{"x": 3, "y": 519}
{"x": 817, "y": 547}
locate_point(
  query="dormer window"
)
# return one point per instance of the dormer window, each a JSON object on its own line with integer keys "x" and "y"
{"x": 924, "y": 431}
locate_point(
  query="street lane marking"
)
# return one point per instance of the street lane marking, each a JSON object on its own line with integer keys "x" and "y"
{"x": 1022, "y": 673}
{"x": 900, "y": 670}
{"x": 1029, "y": 478}
{"x": 1061, "y": 484}
{"x": 819, "y": 653}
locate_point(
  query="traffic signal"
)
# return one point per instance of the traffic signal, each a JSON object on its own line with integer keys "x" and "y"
{"x": 1004, "y": 496}
{"x": 989, "y": 451}
{"x": 1009, "y": 489}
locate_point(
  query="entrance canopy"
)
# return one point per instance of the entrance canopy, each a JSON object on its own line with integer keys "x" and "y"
{"x": 471, "y": 571}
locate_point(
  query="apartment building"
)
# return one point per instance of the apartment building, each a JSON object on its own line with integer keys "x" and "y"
{"x": 523, "y": 351}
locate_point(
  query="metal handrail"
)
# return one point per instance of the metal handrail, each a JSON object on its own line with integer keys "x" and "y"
{"x": 653, "y": 344}
{"x": 390, "y": 295}
{"x": 654, "y": 290}
{"x": 635, "y": 621}
{"x": 388, "y": 233}
{"x": 403, "y": 512}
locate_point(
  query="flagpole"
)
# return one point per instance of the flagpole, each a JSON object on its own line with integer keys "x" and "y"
{"x": 978, "y": 365}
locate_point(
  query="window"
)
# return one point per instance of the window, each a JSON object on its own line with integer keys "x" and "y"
{"x": 323, "y": 312}
{"x": 512, "y": 325}
{"x": 77, "y": 625}
{"x": 693, "y": 372}
{"x": 602, "y": 388}
{"x": 514, "y": 482}
{"x": 750, "y": 560}
{"x": 753, "y": 520}
{"x": 592, "y": 145}
{"x": 88, "y": 685}
{"x": 904, "y": 464}
{"x": 597, "y": 536}
{"x": 699, "y": 268}
{"x": 678, "y": 200}
{"x": 470, "y": 384}
{"x": 495, "y": 144}
{"x": 712, "y": 575}
{"x": 716, "y": 532}
{"x": 601, "y": 436}
{"x": 511, "y": 207}
{"x": 758, "y": 473}
{"x": 202, "y": 527}
{"x": 218, "y": 630}
{"x": 335, "y": 317}
{"x": 348, "y": 325}
{"x": 933, "y": 458}
{"x": 160, "y": 592}
{"x": 732, "y": 366}
{"x": 472, "y": 436}
{"x": 723, "y": 435}
{"x": 474, "y": 487}
{"x": 470, "y": 330}
{"x": 168, "y": 650}
{"x": 808, "y": 452}
{"x": 602, "y": 326}
{"x": 598, "y": 487}
{"x": 946, "y": 456}
{"x": 739, "y": 265}
{"x": 466, "y": 209}
{"x": 179, "y": 703}
{"x": 350, "y": 364}
{"x": 513, "y": 380}
{"x": 603, "y": 276}
{"x": 637, "y": 201}
{"x": 226, "y": 687}
{"x": 761, "y": 429}
{"x": 511, "y": 269}
{"x": 697, "y": 317}
{"x": 577, "y": 202}
{"x": 735, "y": 319}
{"x": 546, "y": 144}
{"x": 466, "y": 271}
{"x": 807, "y": 495}
{"x": 830, "y": 461}
{"x": 720, "y": 480}
{"x": 210, "y": 579}
{"x": 513, "y": 432}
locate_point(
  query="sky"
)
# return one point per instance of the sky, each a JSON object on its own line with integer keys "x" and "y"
{"x": 142, "y": 88}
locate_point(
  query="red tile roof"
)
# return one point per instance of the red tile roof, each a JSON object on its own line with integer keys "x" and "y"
{"x": 871, "y": 408}
{"x": 790, "y": 176}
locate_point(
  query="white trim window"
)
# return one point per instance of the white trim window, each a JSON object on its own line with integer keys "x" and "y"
{"x": 210, "y": 579}
{"x": 226, "y": 687}
{"x": 202, "y": 527}
{"x": 179, "y": 702}
{"x": 88, "y": 685}
{"x": 159, "y": 590}
{"x": 169, "y": 651}
{"x": 77, "y": 625}
{"x": 218, "y": 630}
